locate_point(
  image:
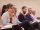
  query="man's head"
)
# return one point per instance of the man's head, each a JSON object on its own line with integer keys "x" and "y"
{"x": 29, "y": 10}
{"x": 15, "y": 8}
{"x": 33, "y": 12}
{"x": 24, "y": 9}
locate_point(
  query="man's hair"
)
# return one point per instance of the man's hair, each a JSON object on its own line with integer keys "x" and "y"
{"x": 9, "y": 5}
{"x": 24, "y": 7}
{"x": 29, "y": 8}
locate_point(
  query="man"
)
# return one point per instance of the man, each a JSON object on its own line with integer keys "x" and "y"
{"x": 34, "y": 17}
{"x": 30, "y": 18}
{"x": 15, "y": 9}
{"x": 22, "y": 17}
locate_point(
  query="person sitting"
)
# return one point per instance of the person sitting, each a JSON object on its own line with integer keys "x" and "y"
{"x": 30, "y": 18}
{"x": 4, "y": 9}
{"x": 0, "y": 19}
{"x": 22, "y": 16}
{"x": 10, "y": 18}
{"x": 34, "y": 17}
{"x": 0, "y": 11}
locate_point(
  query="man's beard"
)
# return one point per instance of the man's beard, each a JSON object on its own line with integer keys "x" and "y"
{"x": 24, "y": 12}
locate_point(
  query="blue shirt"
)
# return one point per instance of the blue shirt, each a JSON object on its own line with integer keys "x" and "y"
{"x": 17, "y": 21}
{"x": 34, "y": 18}
{"x": 0, "y": 15}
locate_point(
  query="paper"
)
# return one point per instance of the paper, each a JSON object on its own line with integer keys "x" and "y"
{"x": 7, "y": 26}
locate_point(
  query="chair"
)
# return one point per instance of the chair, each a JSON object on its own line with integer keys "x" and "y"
{"x": 0, "y": 17}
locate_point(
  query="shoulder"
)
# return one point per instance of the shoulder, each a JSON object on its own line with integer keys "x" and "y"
{"x": 4, "y": 14}
{"x": 31, "y": 14}
{"x": 20, "y": 14}
{"x": 27, "y": 14}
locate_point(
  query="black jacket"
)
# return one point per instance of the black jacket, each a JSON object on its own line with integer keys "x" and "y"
{"x": 21, "y": 17}
{"x": 28, "y": 17}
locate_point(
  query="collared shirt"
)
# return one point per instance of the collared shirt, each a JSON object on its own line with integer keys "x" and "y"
{"x": 17, "y": 21}
{"x": 34, "y": 18}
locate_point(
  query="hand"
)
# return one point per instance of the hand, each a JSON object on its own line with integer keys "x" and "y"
{"x": 30, "y": 22}
{"x": 13, "y": 13}
{"x": 1, "y": 26}
{"x": 16, "y": 24}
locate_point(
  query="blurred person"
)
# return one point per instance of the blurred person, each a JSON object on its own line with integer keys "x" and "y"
{"x": 22, "y": 14}
{"x": 0, "y": 19}
{"x": 4, "y": 9}
{"x": 34, "y": 17}
{"x": 18, "y": 22}
{"x": 30, "y": 18}
{"x": 10, "y": 18}
{"x": 7, "y": 15}
{"x": 15, "y": 9}
{"x": 0, "y": 11}
{"x": 22, "y": 17}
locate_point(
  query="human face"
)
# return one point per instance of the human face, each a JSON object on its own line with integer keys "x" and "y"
{"x": 34, "y": 12}
{"x": 24, "y": 10}
{"x": 30, "y": 11}
{"x": 11, "y": 9}
{"x": 15, "y": 8}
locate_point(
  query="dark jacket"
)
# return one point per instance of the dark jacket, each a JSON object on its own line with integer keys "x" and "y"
{"x": 21, "y": 17}
{"x": 28, "y": 17}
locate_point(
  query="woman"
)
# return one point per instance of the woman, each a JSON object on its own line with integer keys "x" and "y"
{"x": 10, "y": 18}
{"x": 0, "y": 11}
{"x": 4, "y": 9}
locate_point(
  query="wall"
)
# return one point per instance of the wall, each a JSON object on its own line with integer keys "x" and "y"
{"x": 34, "y": 4}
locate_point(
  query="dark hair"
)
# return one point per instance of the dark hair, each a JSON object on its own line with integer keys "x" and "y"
{"x": 9, "y": 5}
{"x": 24, "y": 7}
{"x": 29, "y": 8}
{"x": 4, "y": 7}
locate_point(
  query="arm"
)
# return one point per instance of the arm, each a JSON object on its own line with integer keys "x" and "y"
{"x": 4, "y": 20}
{"x": 28, "y": 19}
{"x": 18, "y": 22}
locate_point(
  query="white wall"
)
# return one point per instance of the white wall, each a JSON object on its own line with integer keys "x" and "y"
{"x": 34, "y": 4}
